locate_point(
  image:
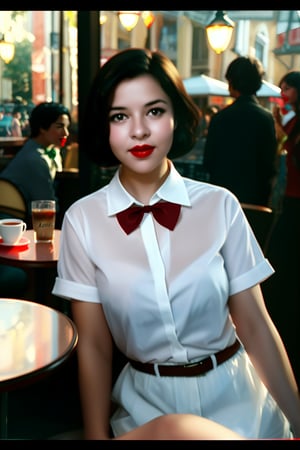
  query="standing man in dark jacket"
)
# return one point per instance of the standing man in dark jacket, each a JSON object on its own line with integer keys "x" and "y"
{"x": 240, "y": 150}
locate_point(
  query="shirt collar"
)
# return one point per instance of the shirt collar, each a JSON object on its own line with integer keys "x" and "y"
{"x": 55, "y": 164}
{"x": 287, "y": 117}
{"x": 172, "y": 190}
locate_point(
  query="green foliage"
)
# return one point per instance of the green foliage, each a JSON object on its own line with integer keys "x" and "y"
{"x": 19, "y": 71}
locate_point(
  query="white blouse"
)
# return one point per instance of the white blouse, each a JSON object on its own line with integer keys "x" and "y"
{"x": 164, "y": 292}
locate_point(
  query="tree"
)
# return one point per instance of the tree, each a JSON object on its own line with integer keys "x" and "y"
{"x": 19, "y": 71}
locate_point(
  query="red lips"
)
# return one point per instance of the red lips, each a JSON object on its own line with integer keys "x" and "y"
{"x": 63, "y": 141}
{"x": 141, "y": 151}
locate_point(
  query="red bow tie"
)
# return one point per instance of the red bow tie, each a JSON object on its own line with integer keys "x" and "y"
{"x": 165, "y": 213}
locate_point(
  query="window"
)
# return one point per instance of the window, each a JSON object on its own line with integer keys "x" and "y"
{"x": 168, "y": 38}
{"x": 199, "y": 51}
{"x": 261, "y": 47}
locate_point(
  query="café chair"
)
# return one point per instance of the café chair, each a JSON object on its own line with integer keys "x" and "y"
{"x": 12, "y": 201}
{"x": 262, "y": 221}
{"x": 13, "y": 280}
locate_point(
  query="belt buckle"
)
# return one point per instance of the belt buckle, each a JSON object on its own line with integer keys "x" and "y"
{"x": 195, "y": 364}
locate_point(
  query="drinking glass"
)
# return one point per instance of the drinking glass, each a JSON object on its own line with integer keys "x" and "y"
{"x": 43, "y": 213}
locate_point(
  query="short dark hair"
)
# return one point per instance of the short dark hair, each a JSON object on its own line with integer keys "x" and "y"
{"x": 245, "y": 74}
{"x": 292, "y": 78}
{"x": 44, "y": 115}
{"x": 128, "y": 64}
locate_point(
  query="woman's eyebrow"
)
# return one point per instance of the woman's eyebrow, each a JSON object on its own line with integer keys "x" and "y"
{"x": 153, "y": 102}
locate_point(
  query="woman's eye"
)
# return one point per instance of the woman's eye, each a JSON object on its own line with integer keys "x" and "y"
{"x": 156, "y": 111}
{"x": 117, "y": 117}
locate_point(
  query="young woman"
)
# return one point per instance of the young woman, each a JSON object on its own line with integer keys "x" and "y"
{"x": 282, "y": 292}
{"x": 180, "y": 298}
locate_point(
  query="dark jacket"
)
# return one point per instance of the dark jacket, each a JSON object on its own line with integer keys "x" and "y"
{"x": 240, "y": 150}
{"x": 30, "y": 172}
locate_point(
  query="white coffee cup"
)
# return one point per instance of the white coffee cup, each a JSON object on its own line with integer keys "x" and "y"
{"x": 11, "y": 230}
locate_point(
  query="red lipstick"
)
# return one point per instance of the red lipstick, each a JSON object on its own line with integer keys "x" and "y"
{"x": 141, "y": 151}
{"x": 63, "y": 141}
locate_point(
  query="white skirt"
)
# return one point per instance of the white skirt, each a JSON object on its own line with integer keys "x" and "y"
{"x": 231, "y": 394}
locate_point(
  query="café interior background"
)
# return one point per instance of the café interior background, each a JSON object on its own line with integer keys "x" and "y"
{"x": 53, "y": 55}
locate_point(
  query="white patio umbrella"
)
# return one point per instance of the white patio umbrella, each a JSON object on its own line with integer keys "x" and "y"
{"x": 203, "y": 85}
{"x": 268, "y": 90}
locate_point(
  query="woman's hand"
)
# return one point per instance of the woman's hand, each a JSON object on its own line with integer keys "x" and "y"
{"x": 277, "y": 114}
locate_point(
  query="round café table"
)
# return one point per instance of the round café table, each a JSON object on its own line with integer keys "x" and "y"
{"x": 34, "y": 340}
{"x": 31, "y": 255}
{"x": 38, "y": 259}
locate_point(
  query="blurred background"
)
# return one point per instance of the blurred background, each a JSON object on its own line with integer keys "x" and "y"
{"x": 53, "y": 55}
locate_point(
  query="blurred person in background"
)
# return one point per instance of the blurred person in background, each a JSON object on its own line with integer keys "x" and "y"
{"x": 34, "y": 167}
{"x": 209, "y": 112}
{"x": 4, "y": 125}
{"x": 33, "y": 171}
{"x": 16, "y": 125}
{"x": 282, "y": 292}
{"x": 240, "y": 149}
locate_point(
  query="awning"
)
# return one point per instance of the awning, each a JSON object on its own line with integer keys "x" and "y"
{"x": 269, "y": 90}
{"x": 202, "y": 85}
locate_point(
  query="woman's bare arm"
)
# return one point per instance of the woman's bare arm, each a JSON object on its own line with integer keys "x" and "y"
{"x": 266, "y": 351}
{"x": 94, "y": 352}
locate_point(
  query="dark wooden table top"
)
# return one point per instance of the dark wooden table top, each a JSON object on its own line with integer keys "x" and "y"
{"x": 11, "y": 141}
{"x": 31, "y": 255}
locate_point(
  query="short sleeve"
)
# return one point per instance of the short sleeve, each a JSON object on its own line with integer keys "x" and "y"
{"x": 76, "y": 272}
{"x": 245, "y": 262}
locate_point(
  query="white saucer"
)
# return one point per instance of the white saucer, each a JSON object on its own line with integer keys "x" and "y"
{"x": 20, "y": 243}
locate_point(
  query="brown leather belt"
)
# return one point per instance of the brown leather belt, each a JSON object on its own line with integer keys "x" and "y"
{"x": 187, "y": 370}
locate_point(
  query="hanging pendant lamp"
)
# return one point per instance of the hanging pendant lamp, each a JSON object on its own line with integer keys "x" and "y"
{"x": 219, "y": 32}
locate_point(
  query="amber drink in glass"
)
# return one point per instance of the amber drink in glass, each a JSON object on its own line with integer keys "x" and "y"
{"x": 43, "y": 213}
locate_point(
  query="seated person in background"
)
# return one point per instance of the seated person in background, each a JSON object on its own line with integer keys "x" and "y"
{"x": 4, "y": 128}
{"x": 33, "y": 170}
{"x": 34, "y": 167}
